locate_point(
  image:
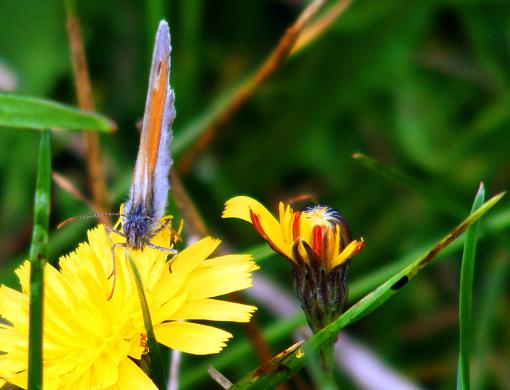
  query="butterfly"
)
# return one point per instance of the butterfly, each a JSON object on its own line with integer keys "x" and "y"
{"x": 149, "y": 188}
{"x": 145, "y": 207}
{"x": 141, "y": 217}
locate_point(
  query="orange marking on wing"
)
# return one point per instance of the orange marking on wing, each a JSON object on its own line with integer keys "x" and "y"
{"x": 156, "y": 111}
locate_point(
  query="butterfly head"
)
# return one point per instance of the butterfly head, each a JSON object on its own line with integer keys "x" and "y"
{"x": 138, "y": 228}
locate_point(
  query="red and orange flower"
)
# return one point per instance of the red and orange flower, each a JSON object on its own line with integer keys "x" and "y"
{"x": 318, "y": 234}
{"x": 318, "y": 244}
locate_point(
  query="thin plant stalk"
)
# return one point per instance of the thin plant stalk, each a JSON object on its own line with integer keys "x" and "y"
{"x": 156, "y": 359}
{"x": 173, "y": 377}
{"x": 95, "y": 171}
{"x": 38, "y": 258}
{"x": 320, "y": 25}
{"x": 247, "y": 88}
{"x": 322, "y": 375}
{"x": 466, "y": 296}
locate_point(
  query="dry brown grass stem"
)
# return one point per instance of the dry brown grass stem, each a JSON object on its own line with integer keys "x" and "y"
{"x": 194, "y": 221}
{"x": 319, "y": 26}
{"x": 95, "y": 173}
{"x": 65, "y": 184}
{"x": 246, "y": 90}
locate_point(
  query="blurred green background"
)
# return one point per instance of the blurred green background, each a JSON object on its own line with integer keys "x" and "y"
{"x": 422, "y": 87}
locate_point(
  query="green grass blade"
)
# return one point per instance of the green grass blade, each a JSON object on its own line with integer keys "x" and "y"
{"x": 26, "y": 112}
{"x": 285, "y": 367}
{"x": 156, "y": 357}
{"x": 497, "y": 222}
{"x": 38, "y": 257}
{"x": 492, "y": 294}
{"x": 466, "y": 295}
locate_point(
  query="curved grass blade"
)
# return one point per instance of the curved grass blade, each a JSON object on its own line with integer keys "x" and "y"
{"x": 285, "y": 366}
{"x": 156, "y": 358}
{"x": 27, "y": 112}
{"x": 466, "y": 295}
{"x": 498, "y": 221}
{"x": 38, "y": 257}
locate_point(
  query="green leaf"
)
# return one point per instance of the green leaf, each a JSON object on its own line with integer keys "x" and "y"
{"x": 33, "y": 113}
{"x": 466, "y": 295}
{"x": 38, "y": 257}
{"x": 156, "y": 357}
{"x": 285, "y": 366}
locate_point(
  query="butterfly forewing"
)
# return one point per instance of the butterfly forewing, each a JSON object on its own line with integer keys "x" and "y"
{"x": 149, "y": 189}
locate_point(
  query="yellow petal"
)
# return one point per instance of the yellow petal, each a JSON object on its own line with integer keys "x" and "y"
{"x": 167, "y": 310}
{"x": 221, "y": 276}
{"x": 83, "y": 382}
{"x": 215, "y": 284}
{"x": 214, "y": 310}
{"x": 192, "y": 256}
{"x": 346, "y": 254}
{"x": 14, "y": 306}
{"x": 132, "y": 377}
{"x": 238, "y": 263}
{"x": 105, "y": 371}
{"x": 286, "y": 215}
{"x": 138, "y": 345}
{"x": 191, "y": 338}
{"x": 240, "y": 207}
{"x": 19, "y": 379}
{"x": 23, "y": 274}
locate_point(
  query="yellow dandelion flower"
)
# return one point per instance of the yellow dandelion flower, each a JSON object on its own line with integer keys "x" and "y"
{"x": 318, "y": 244}
{"x": 90, "y": 341}
{"x": 318, "y": 234}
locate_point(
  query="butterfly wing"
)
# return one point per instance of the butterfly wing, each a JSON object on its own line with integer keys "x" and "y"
{"x": 150, "y": 185}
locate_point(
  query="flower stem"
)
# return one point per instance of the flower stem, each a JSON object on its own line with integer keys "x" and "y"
{"x": 326, "y": 357}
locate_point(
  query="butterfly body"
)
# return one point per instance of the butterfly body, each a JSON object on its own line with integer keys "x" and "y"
{"x": 149, "y": 189}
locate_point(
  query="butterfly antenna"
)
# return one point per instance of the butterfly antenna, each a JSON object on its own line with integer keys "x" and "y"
{"x": 81, "y": 217}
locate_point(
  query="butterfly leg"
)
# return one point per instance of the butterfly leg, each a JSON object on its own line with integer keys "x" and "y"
{"x": 163, "y": 249}
{"x": 174, "y": 234}
{"x": 113, "y": 274}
